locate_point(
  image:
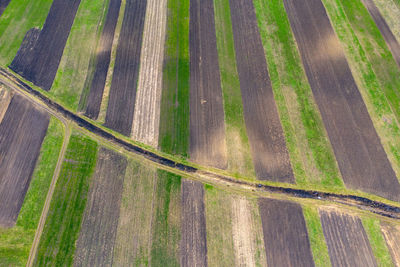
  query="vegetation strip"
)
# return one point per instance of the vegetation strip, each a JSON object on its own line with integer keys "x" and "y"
{"x": 39, "y": 61}
{"x": 392, "y": 237}
{"x": 351, "y": 200}
{"x": 3, "y": 6}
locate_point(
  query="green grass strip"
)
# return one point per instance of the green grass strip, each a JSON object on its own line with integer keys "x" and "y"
{"x": 17, "y": 19}
{"x": 239, "y": 156}
{"x": 57, "y": 243}
{"x": 306, "y": 138}
{"x": 372, "y": 227}
{"x": 174, "y": 118}
{"x": 16, "y": 242}
{"x": 316, "y": 236}
{"x": 166, "y": 227}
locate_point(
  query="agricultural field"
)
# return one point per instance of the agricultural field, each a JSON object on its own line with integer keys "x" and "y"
{"x": 200, "y": 133}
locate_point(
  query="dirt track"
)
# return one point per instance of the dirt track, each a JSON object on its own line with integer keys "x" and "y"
{"x": 347, "y": 241}
{"x": 207, "y": 126}
{"x": 121, "y": 103}
{"x": 41, "y": 61}
{"x": 146, "y": 118}
{"x": 3, "y": 5}
{"x": 99, "y": 226}
{"x": 285, "y": 233}
{"x": 387, "y": 34}
{"x": 392, "y": 237}
{"x": 103, "y": 60}
{"x": 194, "y": 239}
{"x": 360, "y": 155}
{"x": 21, "y": 135}
{"x": 5, "y": 99}
{"x": 270, "y": 155}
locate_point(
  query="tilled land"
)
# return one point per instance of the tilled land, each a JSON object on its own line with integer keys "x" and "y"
{"x": 207, "y": 126}
{"x": 270, "y": 155}
{"x": 21, "y": 135}
{"x": 392, "y": 237}
{"x": 5, "y": 99}
{"x": 362, "y": 160}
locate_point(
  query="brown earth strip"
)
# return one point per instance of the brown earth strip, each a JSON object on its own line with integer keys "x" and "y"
{"x": 99, "y": 227}
{"x": 121, "y": 103}
{"x": 39, "y": 63}
{"x": 103, "y": 60}
{"x": 146, "y": 118}
{"x": 5, "y": 99}
{"x": 347, "y": 241}
{"x": 207, "y": 125}
{"x": 3, "y": 5}
{"x": 21, "y": 135}
{"x": 194, "y": 236}
{"x": 267, "y": 141}
{"x": 358, "y": 150}
{"x": 387, "y": 34}
{"x": 285, "y": 233}
{"x": 392, "y": 237}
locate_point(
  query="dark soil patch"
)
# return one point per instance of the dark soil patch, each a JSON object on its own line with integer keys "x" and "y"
{"x": 362, "y": 160}
{"x": 207, "y": 126}
{"x": 347, "y": 241}
{"x": 285, "y": 233}
{"x": 264, "y": 129}
{"x": 122, "y": 98}
{"x": 40, "y": 59}
{"x": 3, "y": 5}
{"x": 21, "y": 135}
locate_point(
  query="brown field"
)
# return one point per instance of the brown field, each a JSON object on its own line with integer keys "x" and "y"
{"x": 103, "y": 57}
{"x": 267, "y": 142}
{"x": 285, "y": 233}
{"x": 392, "y": 237}
{"x": 99, "y": 226}
{"x": 194, "y": 239}
{"x": 5, "y": 99}
{"x": 21, "y": 135}
{"x": 361, "y": 158}
{"x": 347, "y": 241}
{"x": 121, "y": 103}
{"x": 146, "y": 118}
{"x": 39, "y": 62}
{"x": 207, "y": 126}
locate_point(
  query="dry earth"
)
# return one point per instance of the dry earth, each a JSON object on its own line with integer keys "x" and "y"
{"x": 5, "y": 99}
{"x": 392, "y": 237}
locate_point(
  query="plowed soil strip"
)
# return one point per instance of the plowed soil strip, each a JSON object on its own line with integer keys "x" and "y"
{"x": 99, "y": 227}
{"x": 121, "y": 103}
{"x": 267, "y": 142}
{"x": 5, "y": 99}
{"x": 347, "y": 241}
{"x": 360, "y": 155}
{"x": 21, "y": 135}
{"x": 285, "y": 233}
{"x": 193, "y": 243}
{"x": 392, "y": 237}
{"x": 103, "y": 60}
{"x": 207, "y": 127}
{"x": 3, "y": 5}
{"x": 146, "y": 118}
{"x": 39, "y": 62}
{"x": 387, "y": 34}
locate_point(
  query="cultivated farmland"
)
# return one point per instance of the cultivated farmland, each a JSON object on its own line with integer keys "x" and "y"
{"x": 5, "y": 99}
{"x": 392, "y": 237}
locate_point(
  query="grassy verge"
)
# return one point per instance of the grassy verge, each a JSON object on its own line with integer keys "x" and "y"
{"x": 373, "y": 229}
{"x": 311, "y": 155}
{"x": 391, "y": 12}
{"x": 174, "y": 118}
{"x": 316, "y": 236}
{"x": 17, "y": 19}
{"x": 61, "y": 230}
{"x": 239, "y": 156}
{"x": 166, "y": 220}
{"x": 368, "y": 55}
{"x": 15, "y": 242}
{"x": 74, "y": 66}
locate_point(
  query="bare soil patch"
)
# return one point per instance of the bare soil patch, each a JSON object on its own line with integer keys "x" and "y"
{"x": 102, "y": 60}
{"x": 347, "y": 241}
{"x": 21, "y": 135}
{"x": 99, "y": 226}
{"x": 121, "y": 103}
{"x": 361, "y": 158}
{"x": 207, "y": 125}
{"x": 392, "y": 237}
{"x": 5, "y": 99}
{"x": 285, "y": 234}
{"x": 39, "y": 62}
{"x": 194, "y": 237}
{"x": 3, "y": 5}
{"x": 264, "y": 129}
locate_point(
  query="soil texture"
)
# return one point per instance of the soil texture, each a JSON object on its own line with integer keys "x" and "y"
{"x": 392, "y": 237}
{"x": 3, "y": 5}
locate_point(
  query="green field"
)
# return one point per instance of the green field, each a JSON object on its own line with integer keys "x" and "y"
{"x": 16, "y": 242}
{"x": 57, "y": 242}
